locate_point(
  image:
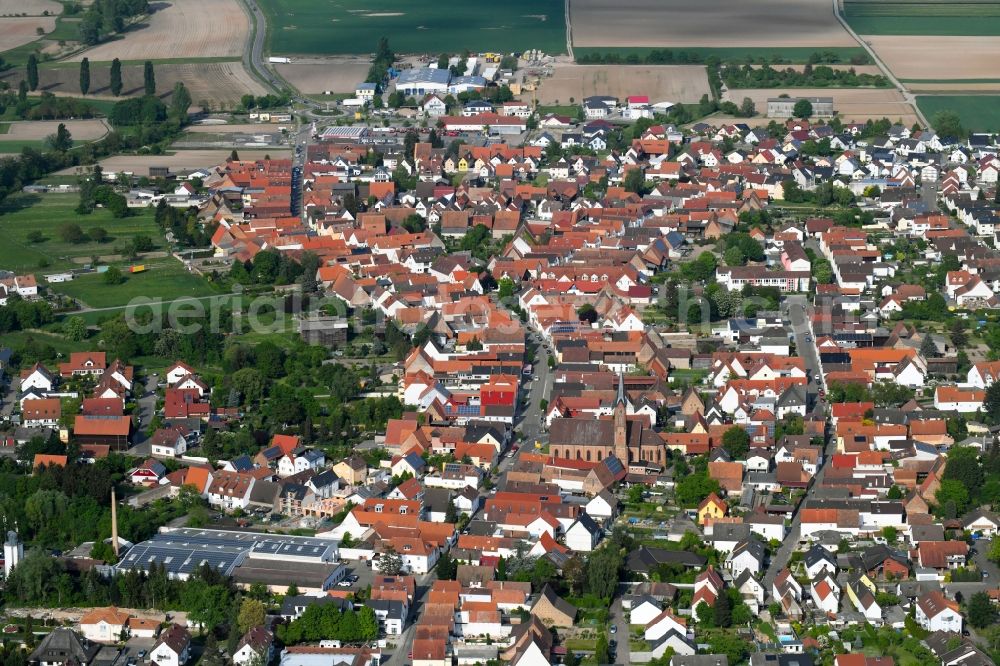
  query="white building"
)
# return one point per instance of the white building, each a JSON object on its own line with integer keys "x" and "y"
{"x": 583, "y": 535}
{"x": 936, "y": 612}
{"x": 173, "y": 647}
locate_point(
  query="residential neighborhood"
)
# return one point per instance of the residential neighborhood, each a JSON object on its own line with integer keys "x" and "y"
{"x": 503, "y": 385}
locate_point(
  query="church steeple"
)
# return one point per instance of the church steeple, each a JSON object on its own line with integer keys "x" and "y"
{"x": 621, "y": 423}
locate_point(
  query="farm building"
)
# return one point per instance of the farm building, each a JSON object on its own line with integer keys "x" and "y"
{"x": 423, "y": 81}
{"x": 782, "y": 107}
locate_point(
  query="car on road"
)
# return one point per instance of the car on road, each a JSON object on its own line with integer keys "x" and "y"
{"x": 614, "y": 629}
{"x": 141, "y": 654}
{"x": 809, "y": 338}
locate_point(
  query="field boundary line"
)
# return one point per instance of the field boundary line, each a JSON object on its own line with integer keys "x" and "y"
{"x": 569, "y": 32}
{"x": 907, "y": 95}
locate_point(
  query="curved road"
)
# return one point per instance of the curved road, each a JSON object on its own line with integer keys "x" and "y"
{"x": 907, "y": 95}
{"x": 253, "y": 58}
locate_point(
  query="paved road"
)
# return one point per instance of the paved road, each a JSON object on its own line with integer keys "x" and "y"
{"x": 404, "y": 642}
{"x": 146, "y": 411}
{"x": 529, "y": 425}
{"x": 798, "y": 312}
{"x": 907, "y": 95}
{"x": 619, "y": 620}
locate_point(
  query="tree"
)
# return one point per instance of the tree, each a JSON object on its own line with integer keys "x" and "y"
{"x": 981, "y": 612}
{"x": 22, "y": 92}
{"x": 991, "y": 404}
{"x": 113, "y": 276}
{"x": 451, "y": 512}
{"x": 723, "y": 611}
{"x": 33, "y": 72}
{"x": 602, "y": 572}
{"x": 447, "y": 568}
{"x": 252, "y": 614}
{"x": 802, "y": 109}
{"x": 390, "y": 563}
{"x": 964, "y": 466}
{"x": 890, "y": 533}
{"x": 895, "y": 493}
{"x": 948, "y": 124}
{"x": 180, "y": 102}
{"x": 76, "y": 328}
{"x": 148, "y": 78}
{"x": 693, "y": 488}
{"x": 927, "y": 347}
{"x": 601, "y": 649}
{"x": 98, "y": 234}
{"x": 72, "y": 233}
{"x": 748, "y": 109}
{"x": 953, "y": 497}
{"x": 736, "y": 441}
{"x": 292, "y": 590}
{"x": 116, "y": 77}
{"x": 85, "y": 76}
{"x": 742, "y": 614}
{"x": 587, "y": 313}
{"x": 958, "y": 336}
{"x": 249, "y": 383}
{"x": 635, "y": 181}
{"x": 62, "y": 140}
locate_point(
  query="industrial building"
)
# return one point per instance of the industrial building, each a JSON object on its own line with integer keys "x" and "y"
{"x": 276, "y": 560}
{"x": 422, "y": 81}
{"x": 783, "y": 107}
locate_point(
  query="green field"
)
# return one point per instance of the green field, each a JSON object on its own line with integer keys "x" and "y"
{"x": 354, "y": 26}
{"x": 15, "y": 145}
{"x": 21, "y": 214}
{"x": 924, "y": 18}
{"x": 165, "y": 279}
{"x": 740, "y": 54}
{"x": 979, "y": 113}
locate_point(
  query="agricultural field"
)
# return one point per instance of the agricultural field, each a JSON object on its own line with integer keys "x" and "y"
{"x": 771, "y": 24}
{"x": 21, "y": 214}
{"x": 979, "y": 113}
{"x": 338, "y": 75}
{"x": 82, "y": 130}
{"x": 307, "y": 27}
{"x": 180, "y": 28}
{"x": 867, "y": 17}
{"x": 851, "y": 104}
{"x": 16, "y": 32}
{"x": 662, "y": 83}
{"x": 30, "y": 7}
{"x": 165, "y": 279}
{"x": 180, "y": 160}
{"x": 18, "y": 135}
{"x": 939, "y": 58}
{"x": 737, "y": 54}
{"x": 221, "y": 84}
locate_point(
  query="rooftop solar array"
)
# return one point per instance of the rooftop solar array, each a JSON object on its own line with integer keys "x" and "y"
{"x": 184, "y": 550}
{"x": 180, "y": 559}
